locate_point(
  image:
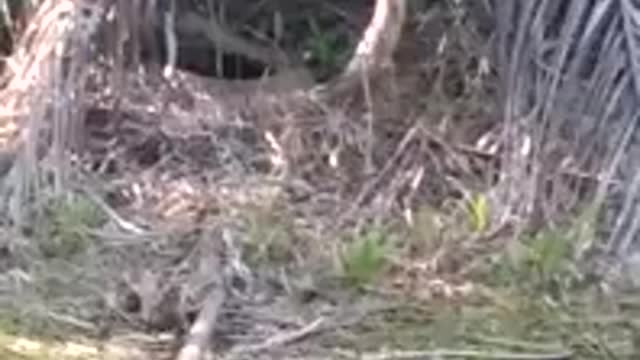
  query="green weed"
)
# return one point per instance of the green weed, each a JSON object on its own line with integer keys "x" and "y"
{"x": 325, "y": 50}
{"x": 478, "y": 213}
{"x": 365, "y": 258}
{"x": 64, "y": 230}
{"x": 547, "y": 260}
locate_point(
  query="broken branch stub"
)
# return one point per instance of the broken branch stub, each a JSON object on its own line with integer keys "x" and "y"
{"x": 380, "y": 38}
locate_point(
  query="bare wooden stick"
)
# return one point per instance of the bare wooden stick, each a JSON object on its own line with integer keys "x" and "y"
{"x": 197, "y": 341}
{"x": 171, "y": 40}
{"x": 282, "y": 339}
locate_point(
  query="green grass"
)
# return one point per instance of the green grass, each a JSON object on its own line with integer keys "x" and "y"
{"x": 504, "y": 320}
{"x": 63, "y": 230}
{"x": 530, "y": 299}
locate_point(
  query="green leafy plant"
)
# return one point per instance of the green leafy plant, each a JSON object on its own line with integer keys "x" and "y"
{"x": 548, "y": 253}
{"x": 478, "y": 213}
{"x": 324, "y": 49}
{"x": 365, "y": 258}
{"x": 553, "y": 253}
{"x": 543, "y": 261}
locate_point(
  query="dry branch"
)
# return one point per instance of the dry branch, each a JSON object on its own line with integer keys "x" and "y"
{"x": 282, "y": 339}
{"x": 380, "y": 39}
{"x": 192, "y": 24}
{"x": 197, "y": 342}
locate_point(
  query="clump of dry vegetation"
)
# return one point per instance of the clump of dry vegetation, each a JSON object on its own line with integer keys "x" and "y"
{"x": 340, "y": 205}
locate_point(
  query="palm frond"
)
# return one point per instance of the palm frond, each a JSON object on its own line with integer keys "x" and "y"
{"x": 571, "y": 74}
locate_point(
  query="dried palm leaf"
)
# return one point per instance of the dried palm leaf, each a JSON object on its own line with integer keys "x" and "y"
{"x": 571, "y": 73}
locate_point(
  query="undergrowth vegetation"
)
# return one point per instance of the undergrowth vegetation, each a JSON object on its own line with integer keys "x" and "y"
{"x": 533, "y": 299}
{"x": 63, "y": 230}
